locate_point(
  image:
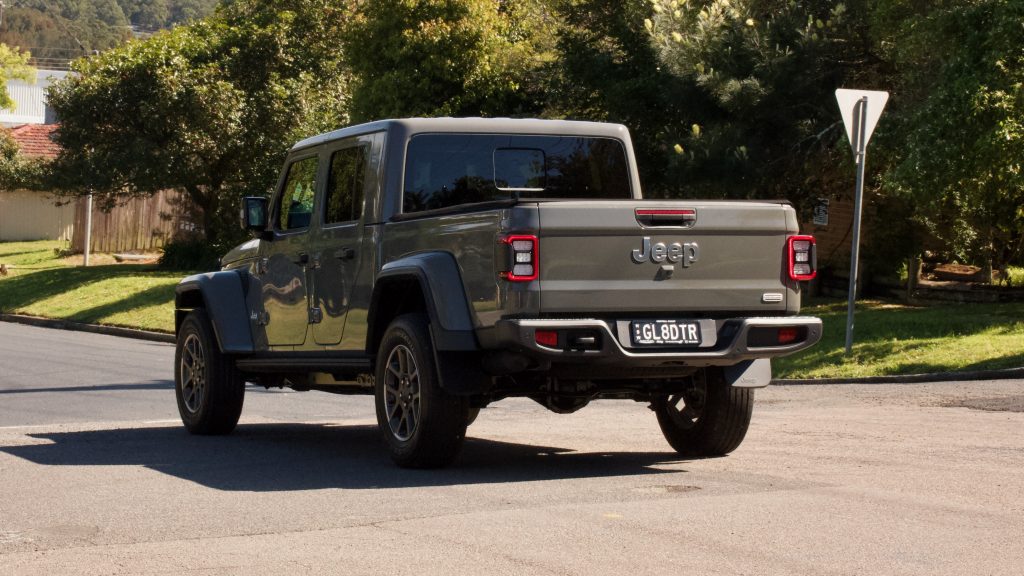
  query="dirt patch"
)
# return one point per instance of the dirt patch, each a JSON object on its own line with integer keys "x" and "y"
{"x": 102, "y": 259}
{"x": 990, "y": 404}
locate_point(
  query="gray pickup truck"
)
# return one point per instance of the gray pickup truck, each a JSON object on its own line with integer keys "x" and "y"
{"x": 444, "y": 264}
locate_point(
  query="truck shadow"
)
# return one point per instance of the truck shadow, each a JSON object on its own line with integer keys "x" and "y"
{"x": 289, "y": 457}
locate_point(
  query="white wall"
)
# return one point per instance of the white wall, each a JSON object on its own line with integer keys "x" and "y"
{"x": 34, "y": 216}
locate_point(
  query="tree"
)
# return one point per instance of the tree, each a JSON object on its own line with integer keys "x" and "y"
{"x": 13, "y": 66}
{"x": 441, "y": 58}
{"x": 607, "y": 69}
{"x": 759, "y": 76}
{"x": 209, "y": 109}
{"x": 960, "y": 156}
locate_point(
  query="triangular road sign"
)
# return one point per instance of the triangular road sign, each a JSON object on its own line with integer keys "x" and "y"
{"x": 852, "y": 104}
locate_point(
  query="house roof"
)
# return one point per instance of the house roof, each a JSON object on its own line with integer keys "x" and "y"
{"x": 36, "y": 140}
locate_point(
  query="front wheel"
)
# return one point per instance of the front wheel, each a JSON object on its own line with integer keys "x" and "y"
{"x": 423, "y": 426}
{"x": 208, "y": 386}
{"x": 709, "y": 418}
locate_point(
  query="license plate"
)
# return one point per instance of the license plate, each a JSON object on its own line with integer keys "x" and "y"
{"x": 665, "y": 333}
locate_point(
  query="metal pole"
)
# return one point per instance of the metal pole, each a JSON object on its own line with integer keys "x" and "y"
{"x": 861, "y": 132}
{"x": 88, "y": 229}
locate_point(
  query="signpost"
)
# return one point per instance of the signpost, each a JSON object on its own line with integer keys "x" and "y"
{"x": 861, "y": 110}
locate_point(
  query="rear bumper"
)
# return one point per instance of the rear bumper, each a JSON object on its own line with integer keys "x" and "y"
{"x": 613, "y": 349}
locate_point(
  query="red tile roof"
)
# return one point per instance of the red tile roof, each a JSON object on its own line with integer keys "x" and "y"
{"x": 36, "y": 140}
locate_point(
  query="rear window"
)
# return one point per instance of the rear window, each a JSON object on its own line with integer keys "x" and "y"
{"x": 444, "y": 170}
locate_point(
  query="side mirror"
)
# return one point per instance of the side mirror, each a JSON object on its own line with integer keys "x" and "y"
{"x": 254, "y": 213}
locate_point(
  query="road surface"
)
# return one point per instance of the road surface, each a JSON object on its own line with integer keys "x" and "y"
{"x": 99, "y": 477}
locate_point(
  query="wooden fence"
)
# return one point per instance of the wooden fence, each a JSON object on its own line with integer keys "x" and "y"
{"x": 138, "y": 224}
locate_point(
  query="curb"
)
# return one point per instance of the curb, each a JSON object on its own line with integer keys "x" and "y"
{"x": 1004, "y": 374}
{"x": 83, "y": 327}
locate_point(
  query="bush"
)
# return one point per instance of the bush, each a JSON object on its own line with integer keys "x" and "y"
{"x": 191, "y": 255}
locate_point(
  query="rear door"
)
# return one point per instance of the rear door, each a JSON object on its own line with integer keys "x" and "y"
{"x": 659, "y": 257}
{"x": 338, "y": 256}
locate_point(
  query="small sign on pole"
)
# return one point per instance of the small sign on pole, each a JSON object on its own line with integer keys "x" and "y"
{"x": 861, "y": 110}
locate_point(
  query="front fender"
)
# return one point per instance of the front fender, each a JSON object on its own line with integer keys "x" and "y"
{"x": 223, "y": 295}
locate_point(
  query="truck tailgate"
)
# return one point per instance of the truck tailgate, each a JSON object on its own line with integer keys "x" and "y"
{"x": 637, "y": 256}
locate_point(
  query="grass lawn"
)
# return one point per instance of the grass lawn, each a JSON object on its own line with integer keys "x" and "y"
{"x": 899, "y": 339}
{"x": 43, "y": 284}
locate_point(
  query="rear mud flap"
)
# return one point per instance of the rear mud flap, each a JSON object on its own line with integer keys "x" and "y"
{"x": 749, "y": 374}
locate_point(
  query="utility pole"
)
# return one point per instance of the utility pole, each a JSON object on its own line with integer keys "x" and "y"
{"x": 88, "y": 229}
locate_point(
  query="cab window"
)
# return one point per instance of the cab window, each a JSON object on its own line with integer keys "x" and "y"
{"x": 296, "y": 202}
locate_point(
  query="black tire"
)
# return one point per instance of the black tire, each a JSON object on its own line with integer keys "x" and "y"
{"x": 472, "y": 416}
{"x": 709, "y": 419}
{"x": 422, "y": 425}
{"x": 209, "y": 388}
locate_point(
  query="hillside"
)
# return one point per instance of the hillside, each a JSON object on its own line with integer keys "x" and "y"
{"x": 57, "y": 31}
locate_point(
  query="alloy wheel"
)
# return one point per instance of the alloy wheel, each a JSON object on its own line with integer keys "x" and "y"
{"x": 193, "y": 373}
{"x": 402, "y": 393}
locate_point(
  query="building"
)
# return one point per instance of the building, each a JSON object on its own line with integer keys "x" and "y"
{"x": 30, "y": 215}
{"x": 30, "y": 100}
{"x": 137, "y": 224}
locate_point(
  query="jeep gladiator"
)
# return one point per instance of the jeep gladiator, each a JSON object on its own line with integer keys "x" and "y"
{"x": 444, "y": 264}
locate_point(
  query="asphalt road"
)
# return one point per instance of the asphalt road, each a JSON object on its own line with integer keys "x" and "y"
{"x": 98, "y": 477}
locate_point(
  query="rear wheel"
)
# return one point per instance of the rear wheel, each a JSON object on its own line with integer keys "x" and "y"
{"x": 423, "y": 426}
{"x": 709, "y": 418}
{"x": 208, "y": 386}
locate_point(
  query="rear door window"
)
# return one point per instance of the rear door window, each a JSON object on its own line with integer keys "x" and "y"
{"x": 343, "y": 201}
{"x": 444, "y": 170}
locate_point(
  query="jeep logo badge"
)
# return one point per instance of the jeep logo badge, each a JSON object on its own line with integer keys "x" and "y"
{"x": 686, "y": 253}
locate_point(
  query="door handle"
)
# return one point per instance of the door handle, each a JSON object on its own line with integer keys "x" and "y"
{"x": 345, "y": 254}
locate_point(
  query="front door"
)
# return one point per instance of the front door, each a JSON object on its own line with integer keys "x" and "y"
{"x": 285, "y": 262}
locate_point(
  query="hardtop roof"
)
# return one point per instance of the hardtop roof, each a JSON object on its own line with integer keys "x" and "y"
{"x": 533, "y": 126}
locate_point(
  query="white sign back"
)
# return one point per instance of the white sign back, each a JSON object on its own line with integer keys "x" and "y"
{"x": 852, "y": 104}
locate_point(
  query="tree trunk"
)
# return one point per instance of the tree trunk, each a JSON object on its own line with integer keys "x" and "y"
{"x": 207, "y": 204}
{"x": 986, "y": 269}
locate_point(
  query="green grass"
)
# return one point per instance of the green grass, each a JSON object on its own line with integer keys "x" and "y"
{"x": 899, "y": 339}
{"x": 30, "y": 255}
{"x": 41, "y": 284}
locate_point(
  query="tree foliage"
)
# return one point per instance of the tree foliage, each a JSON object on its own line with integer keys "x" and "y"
{"x": 13, "y": 66}
{"x": 961, "y": 153}
{"x": 760, "y": 119}
{"x": 607, "y": 69}
{"x": 442, "y": 57}
{"x": 209, "y": 108}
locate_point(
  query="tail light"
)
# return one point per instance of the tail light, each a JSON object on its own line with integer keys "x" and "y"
{"x": 685, "y": 218}
{"x": 523, "y": 265}
{"x": 802, "y": 258}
